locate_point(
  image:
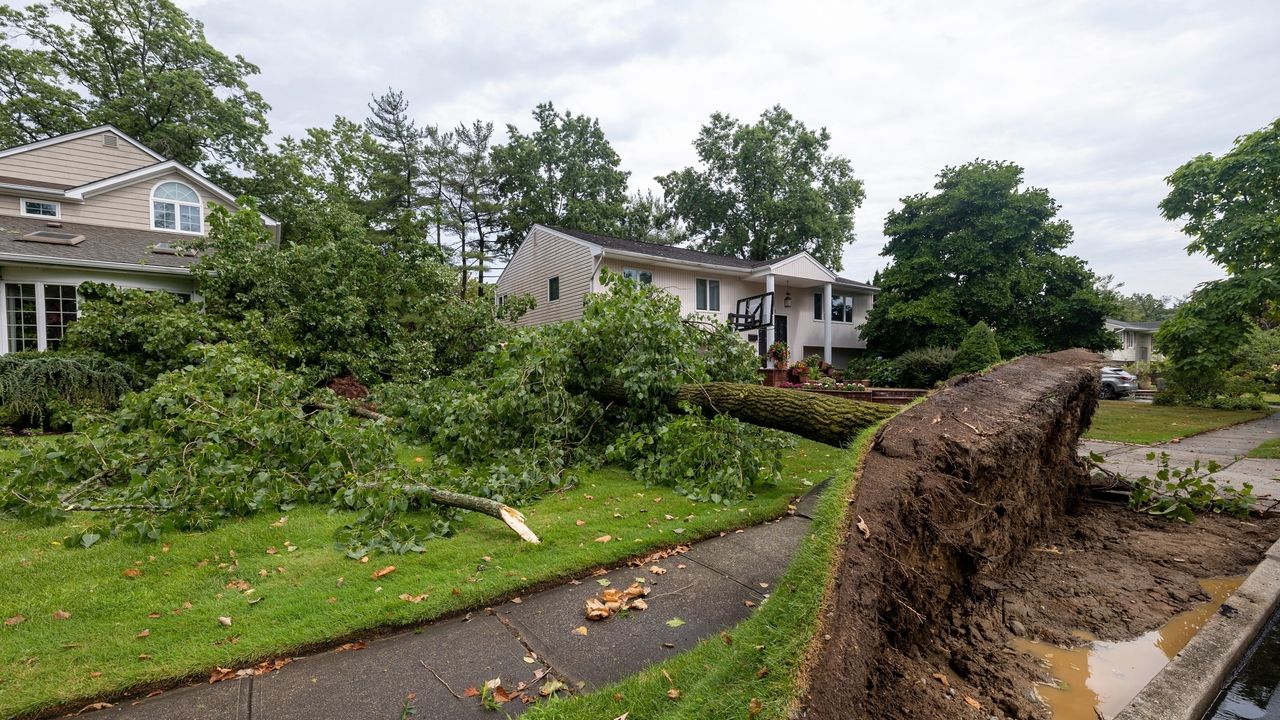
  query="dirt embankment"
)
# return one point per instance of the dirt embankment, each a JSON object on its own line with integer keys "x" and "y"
{"x": 953, "y": 492}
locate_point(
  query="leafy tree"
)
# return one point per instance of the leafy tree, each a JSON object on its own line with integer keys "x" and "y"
{"x": 1135, "y": 307}
{"x": 766, "y": 190}
{"x": 984, "y": 248}
{"x": 37, "y": 386}
{"x": 1231, "y": 209}
{"x": 141, "y": 65}
{"x": 977, "y": 352}
{"x": 563, "y": 173}
{"x": 317, "y": 186}
{"x": 470, "y": 198}
{"x": 649, "y": 218}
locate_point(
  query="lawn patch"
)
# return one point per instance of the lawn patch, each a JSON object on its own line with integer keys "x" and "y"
{"x": 1142, "y": 424}
{"x": 754, "y": 675}
{"x": 311, "y": 595}
{"x": 1269, "y": 450}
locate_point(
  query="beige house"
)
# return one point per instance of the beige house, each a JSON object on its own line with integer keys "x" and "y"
{"x": 94, "y": 205}
{"x": 815, "y": 310}
{"x": 1136, "y": 341}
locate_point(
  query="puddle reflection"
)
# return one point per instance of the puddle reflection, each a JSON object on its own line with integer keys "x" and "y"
{"x": 1102, "y": 677}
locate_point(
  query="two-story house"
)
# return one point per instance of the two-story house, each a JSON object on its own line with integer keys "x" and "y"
{"x": 1137, "y": 341}
{"x": 816, "y": 312}
{"x": 94, "y": 205}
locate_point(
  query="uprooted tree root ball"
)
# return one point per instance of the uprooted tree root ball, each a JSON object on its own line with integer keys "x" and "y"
{"x": 953, "y": 491}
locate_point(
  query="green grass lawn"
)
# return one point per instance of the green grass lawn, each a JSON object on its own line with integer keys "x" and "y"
{"x": 722, "y": 680}
{"x": 128, "y": 633}
{"x": 1130, "y": 422}
{"x": 1269, "y": 450}
{"x": 1273, "y": 398}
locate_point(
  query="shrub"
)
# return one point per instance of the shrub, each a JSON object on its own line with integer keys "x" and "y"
{"x": 150, "y": 331}
{"x": 38, "y": 388}
{"x": 924, "y": 367}
{"x": 977, "y": 352}
{"x": 882, "y": 373}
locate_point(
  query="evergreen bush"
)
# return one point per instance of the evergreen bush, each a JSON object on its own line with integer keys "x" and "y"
{"x": 978, "y": 352}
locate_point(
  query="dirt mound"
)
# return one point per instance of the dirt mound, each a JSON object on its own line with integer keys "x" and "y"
{"x": 953, "y": 492}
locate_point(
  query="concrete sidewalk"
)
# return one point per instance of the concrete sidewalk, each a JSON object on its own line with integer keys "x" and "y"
{"x": 1227, "y": 447}
{"x": 716, "y": 584}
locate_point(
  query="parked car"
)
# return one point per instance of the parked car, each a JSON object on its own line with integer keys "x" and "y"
{"x": 1117, "y": 383}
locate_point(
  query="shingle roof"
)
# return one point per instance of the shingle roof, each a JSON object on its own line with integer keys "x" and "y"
{"x": 670, "y": 252}
{"x": 101, "y": 244}
{"x": 1149, "y": 326}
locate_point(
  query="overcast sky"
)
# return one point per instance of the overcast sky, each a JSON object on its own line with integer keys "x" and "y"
{"x": 1099, "y": 101}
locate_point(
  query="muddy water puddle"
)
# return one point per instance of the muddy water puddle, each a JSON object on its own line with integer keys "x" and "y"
{"x": 1101, "y": 677}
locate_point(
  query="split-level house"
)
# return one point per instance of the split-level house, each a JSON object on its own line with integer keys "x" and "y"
{"x": 815, "y": 311}
{"x": 1137, "y": 341}
{"x": 94, "y": 205}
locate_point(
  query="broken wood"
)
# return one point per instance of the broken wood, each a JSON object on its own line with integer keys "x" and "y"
{"x": 507, "y": 514}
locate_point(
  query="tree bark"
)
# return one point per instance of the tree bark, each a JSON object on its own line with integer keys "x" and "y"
{"x": 507, "y": 514}
{"x": 825, "y": 419}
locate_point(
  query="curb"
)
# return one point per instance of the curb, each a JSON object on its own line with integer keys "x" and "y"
{"x": 1189, "y": 684}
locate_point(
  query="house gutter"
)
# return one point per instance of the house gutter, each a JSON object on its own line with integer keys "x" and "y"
{"x": 93, "y": 264}
{"x": 669, "y": 262}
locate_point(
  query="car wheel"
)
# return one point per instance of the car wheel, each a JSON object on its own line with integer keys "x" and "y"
{"x": 1108, "y": 392}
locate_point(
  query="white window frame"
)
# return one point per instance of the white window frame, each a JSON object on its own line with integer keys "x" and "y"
{"x": 42, "y": 318}
{"x": 177, "y": 209}
{"x": 631, "y": 273}
{"x": 706, "y": 294}
{"x": 556, "y": 280}
{"x": 57, "y": 208}
{"x": 1128, "y": 339}
{"x": 848, "y": 303}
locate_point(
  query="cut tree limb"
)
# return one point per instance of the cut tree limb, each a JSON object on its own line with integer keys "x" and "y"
{"x": 507, "y": 514}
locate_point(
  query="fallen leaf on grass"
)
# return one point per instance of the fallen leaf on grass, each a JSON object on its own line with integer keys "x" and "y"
{"x": 132, "y": 572}
{"x": 413, "y": 598}
{"x": 144, "y": 633}
{"x": 673, "y": 693}
{"x": 549, "y": 687}
{"x": 579, "y": 523}
{"x": 61, "y": 615}
{"x": 754, "y": 707}
{"x": 280, "y": 522}
{"x": 14, "y": 620}
{"x": 224, "y": 621}
{"x": 153, "y": 615}
{"x": 144, "y": 657}
{"x": 604, "y": 538}
{"x": 220, "y": 673}
{"x": 272, "y": 551}
{"x": 764, "y": 670}
{"x": 383, "y": 572}
{"x": 241, "y": 585}
{"x": 357, "y": 645}
{"x": 95, "y": 674}
{"x": 675, "y": 622}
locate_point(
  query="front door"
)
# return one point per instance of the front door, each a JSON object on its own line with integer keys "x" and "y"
{"x": 779, "y": 335}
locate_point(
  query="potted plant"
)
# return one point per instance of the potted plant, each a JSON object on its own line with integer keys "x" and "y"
{"x": 776, "y": 375}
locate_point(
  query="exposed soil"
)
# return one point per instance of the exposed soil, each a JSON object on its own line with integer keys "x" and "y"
{"x": 1106, "y": 570}
{"x": 973, "y": 524}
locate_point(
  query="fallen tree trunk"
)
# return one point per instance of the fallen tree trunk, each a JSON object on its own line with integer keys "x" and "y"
{"x": 831, "y": 420}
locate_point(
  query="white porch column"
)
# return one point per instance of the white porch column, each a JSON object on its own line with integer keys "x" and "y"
{"x": 826, "y": 323}
{"x": 768, "y": 335}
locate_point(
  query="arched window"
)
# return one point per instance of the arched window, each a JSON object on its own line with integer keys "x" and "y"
{"x": 175, "y": 206}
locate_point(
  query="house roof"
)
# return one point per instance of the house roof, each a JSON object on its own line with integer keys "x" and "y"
{"x": 680, "y": 254}
{"x": 1142, "y": 326}
{"x": 102, "y": 247}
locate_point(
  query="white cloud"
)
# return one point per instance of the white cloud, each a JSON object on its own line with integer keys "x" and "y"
{"x": 1097, "y": 100}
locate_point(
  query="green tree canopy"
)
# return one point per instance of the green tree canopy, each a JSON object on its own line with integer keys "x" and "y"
{"x": 1230, "y": 206}
{"x": 563, "y": 173}
{"x": 766, "y": 190}
{"x": 141, "y": 65}
{"x": 984, "y": 248}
